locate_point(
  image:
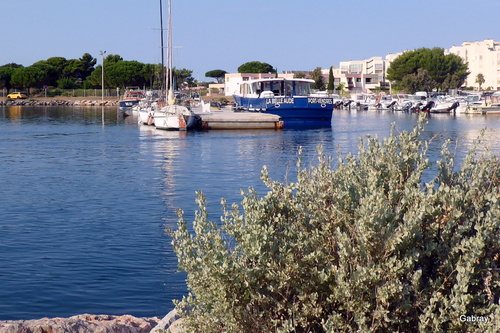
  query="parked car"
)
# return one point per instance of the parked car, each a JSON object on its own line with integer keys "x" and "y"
{"x": 17, "y": 95}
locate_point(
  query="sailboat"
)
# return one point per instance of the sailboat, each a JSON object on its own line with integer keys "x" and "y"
{"x": 172, "y": 116}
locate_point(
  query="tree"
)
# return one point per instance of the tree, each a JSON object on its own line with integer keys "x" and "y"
{"x": 421, "y": 81}
{"x": 365, "y": 246}
{"x": 300, "y": 75}
{"x": 438, "y": 66}
{"x": 6, "y": 72}
{"x": 55, "y": 67}
{"x": 28, "y": 77}
{"x": 331, "y": 81}
{"x": 51, "y": 74}
{"x": 65, "y": 74}
{"x": 340, "y": 88}
{"x": 181, "y": 76}
{"x": 480, "y": 80}
{"x": 152, "y": 75}
{"x": 87, "y": 63}
{"x": 124, "y": 73}
{"x": 256, "y": 67}
{"x": 80, "y": 68}
{"x": 95, "y": 79}
{"x": 112, "y": 58}
{"x": 217, "y": 74}
{"x": 319, "y": 80}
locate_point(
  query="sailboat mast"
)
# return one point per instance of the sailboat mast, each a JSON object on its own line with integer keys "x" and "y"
{"x": 169, "y": 45}
{"x": 162, "y": 73}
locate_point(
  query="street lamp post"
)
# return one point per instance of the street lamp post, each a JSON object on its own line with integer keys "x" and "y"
{"x": 102, "y": 53}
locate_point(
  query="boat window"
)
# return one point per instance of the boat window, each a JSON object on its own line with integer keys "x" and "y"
{"x": 277, "y": 88}
{"x": 266, "y": 86}
{"x": 249, "y": 88}
{"x": 256, "y": 88}
{"x": 302, "y": 88}
{"x": 288, "y": 89}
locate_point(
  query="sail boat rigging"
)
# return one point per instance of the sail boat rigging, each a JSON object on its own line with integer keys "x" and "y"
{"x": 171, "y": 116}
{"x": 162, "y": 74}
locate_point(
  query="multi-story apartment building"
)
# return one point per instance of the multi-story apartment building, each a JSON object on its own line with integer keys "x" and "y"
{"x": 483, "y": 58}
{"x": 362, "y": 75}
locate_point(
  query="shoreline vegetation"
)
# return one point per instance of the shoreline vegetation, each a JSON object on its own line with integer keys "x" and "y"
{"x": 384, "y": 240}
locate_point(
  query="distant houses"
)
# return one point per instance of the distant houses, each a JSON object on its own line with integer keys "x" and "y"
{"x": 365, "y": 75}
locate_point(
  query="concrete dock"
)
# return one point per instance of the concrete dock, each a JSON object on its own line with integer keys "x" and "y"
{"x": 226, "y": 118}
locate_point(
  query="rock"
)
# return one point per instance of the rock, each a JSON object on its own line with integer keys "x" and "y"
{"x": 170, "y": 321}
{"x": 58, "y": 102}
{"x": 85, "y": 323}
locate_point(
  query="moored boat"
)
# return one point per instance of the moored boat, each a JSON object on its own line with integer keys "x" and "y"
{"x": 291, "y": 99}
{"x": 172, "y": 116}
{"x": 131, "y": 97}
{"x": 487, "y": 104}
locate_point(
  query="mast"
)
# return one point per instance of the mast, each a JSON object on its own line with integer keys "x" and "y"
{"x": 162, "y": 73}
{"x": 171, "y": 100}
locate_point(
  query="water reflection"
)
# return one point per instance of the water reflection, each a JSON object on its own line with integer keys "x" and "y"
{"x": 86, "y": 203}
{"x": 62, "y": 114}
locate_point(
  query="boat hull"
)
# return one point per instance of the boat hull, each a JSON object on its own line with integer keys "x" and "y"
{"x": 174, "y": 117}
{"x": 146, "y": 117}
{"x": 128, "y": 103}
{"x": 293, "y": 110}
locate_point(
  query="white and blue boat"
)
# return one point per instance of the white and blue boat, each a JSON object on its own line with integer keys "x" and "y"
{"x": 291, "y": 99}
{"x": 131, "y": 97}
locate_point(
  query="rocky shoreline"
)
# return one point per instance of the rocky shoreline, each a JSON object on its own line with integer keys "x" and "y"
{"x": 57, "y": 102}
{"x": 88, "y": 323}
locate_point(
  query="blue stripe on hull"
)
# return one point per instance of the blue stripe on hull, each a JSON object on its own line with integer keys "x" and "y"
{"x": 296, "y": 113}
{"x": 128, "y": 104}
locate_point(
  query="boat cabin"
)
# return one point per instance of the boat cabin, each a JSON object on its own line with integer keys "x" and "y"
{"x": 266, "y": 88}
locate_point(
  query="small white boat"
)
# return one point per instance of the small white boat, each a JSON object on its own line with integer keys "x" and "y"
{"x": 146, "y": 113}
{"x": 487, "y": 104}
{"x": 444, "y": 104}
{"x": 174, "y": 117}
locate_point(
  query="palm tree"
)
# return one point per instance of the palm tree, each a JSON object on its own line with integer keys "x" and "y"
{"x": 480, "y": 80}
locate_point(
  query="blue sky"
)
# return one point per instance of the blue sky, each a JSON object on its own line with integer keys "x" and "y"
{"x": 223, "y": 34}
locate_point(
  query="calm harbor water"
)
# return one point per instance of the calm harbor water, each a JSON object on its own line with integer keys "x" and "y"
{"x": 84, "y": 204}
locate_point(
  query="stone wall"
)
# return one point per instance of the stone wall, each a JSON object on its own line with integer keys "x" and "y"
{"x": 57, "y": 102}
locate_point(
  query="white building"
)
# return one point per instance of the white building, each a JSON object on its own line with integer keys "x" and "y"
{"x": 363, "y": 75}
{"x": 483, "y": 58}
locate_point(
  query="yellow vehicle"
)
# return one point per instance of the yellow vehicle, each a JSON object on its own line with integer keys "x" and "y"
{"x": 17, "y": 95}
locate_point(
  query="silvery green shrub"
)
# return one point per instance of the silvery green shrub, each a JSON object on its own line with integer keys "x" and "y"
{"x": 358, "y": 243}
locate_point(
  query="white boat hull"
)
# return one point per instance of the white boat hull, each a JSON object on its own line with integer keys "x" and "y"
{"x": 146, "y": 117}
{"x": 174, "y": 117}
